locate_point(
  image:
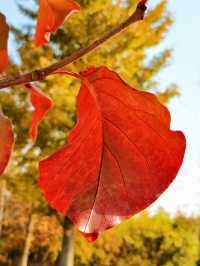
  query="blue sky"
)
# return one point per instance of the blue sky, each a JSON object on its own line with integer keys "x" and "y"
{"x": 184, "y": 70}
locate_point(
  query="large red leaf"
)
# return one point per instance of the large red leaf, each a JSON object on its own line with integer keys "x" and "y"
{"x": 6, "y": 141}
{"x": 42, "y": 104}
{"x": 121, "y": 155}
{"x": 52, "y": 14}
{"x": 4, "y": 29}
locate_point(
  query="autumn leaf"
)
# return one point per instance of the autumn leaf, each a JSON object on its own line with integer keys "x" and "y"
{"x": 6, "y": 141}
{"x": 42, "y": 104}
{"x": 4, "y": 30}
{"x": 51, "y": 16}
{"x": 120, "y": 157}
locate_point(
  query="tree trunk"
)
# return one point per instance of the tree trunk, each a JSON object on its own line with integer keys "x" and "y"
{"x": 67, "y": 253}
{"x": 2, "y": 203}
{"x": 27, "y": 245}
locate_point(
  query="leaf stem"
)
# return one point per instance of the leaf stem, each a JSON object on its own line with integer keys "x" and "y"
{"x": 65, "y": 72}
{"x": 38, "y": 75}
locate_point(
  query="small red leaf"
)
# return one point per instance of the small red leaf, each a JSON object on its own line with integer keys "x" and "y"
{"x": 4, "y": 30}
{"x": 121, "y": 155}
{"x": 51, "y": 16}
{"x": 6, "y": 141}
{"x": 42, "y": 104}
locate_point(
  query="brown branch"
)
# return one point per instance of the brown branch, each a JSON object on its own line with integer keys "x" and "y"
{"x": 38, "y": 75}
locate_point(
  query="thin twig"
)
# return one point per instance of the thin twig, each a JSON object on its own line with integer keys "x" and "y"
{"x": 38, "y": 75}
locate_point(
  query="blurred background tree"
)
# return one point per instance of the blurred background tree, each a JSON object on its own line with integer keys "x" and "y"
{"x": 128, "y": 54}
{"x": 144, "y": 240}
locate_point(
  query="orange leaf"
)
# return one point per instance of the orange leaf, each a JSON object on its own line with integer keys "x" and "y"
{"x": 42, "y": 104}
{"x": 52, "y": 14}
{"x": 4, "y": 30}
{"x": 121, "y": 155}
{"x": 6, "y": 141}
